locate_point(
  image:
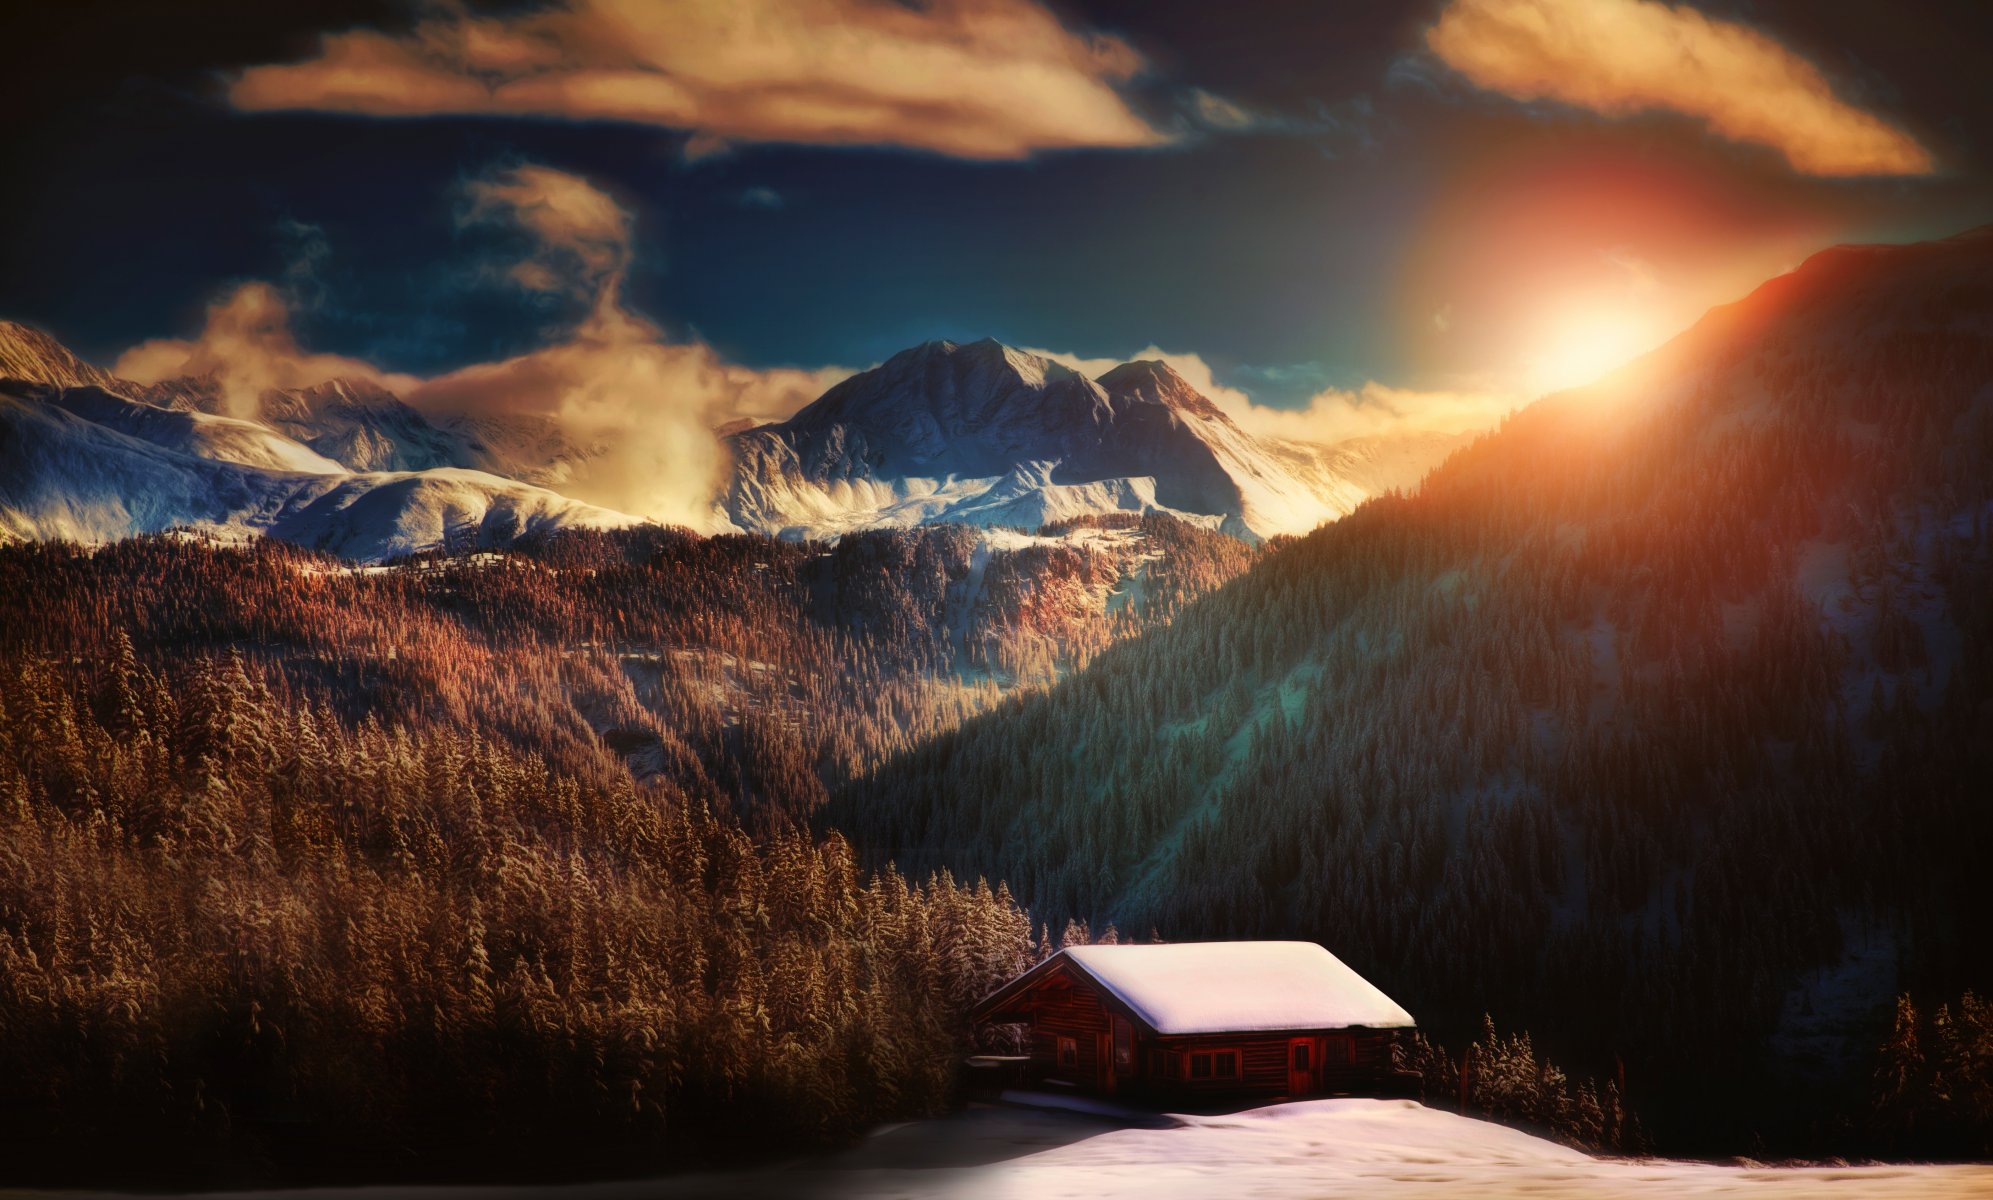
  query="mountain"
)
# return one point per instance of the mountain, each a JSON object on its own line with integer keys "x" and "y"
{"x": 33, "y": 356}
{"x": 200, "y": 434}
{"x": 363, "y": 426}
{"x": 138, "y": 470}
{"x": 990, "y": 435}
{"x": 344, "y": 466}
{"x": 1657, "y": 721}
{"x": 980, "y": 434}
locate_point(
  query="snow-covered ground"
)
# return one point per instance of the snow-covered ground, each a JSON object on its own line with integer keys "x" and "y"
{"x": 1322, "y": 1148}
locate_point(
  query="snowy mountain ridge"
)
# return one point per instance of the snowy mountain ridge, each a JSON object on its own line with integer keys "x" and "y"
{"x": 989, "y": 434}
{"x": 88, "y": 457}
{"x": 977, "y": 433}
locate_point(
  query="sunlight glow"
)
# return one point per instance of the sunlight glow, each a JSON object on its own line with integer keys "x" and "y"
{"x": 1580, "y": 345}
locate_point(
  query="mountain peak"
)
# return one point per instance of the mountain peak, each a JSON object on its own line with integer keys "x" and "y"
{"x": 984, "y": 432}
{"x": 351, "y": 390}
{"x": 1154, "y": 381}
{"x": 1140, "y": 370}
{"x": 988, "y": 353}
{"x": 27, "y": 353}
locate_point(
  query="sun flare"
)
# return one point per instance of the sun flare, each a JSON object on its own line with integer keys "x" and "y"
{"x": 1581, "y": 344}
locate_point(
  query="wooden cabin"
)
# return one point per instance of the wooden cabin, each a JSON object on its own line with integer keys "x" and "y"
{"x": 1185, "y": 1021}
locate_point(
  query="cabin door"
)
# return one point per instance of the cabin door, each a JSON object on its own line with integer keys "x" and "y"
{"x": 1304, "y": 1067}
{"x": 1104, "y": 1055}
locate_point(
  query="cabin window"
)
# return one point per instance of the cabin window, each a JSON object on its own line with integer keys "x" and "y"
{"x": 1162, "y": 1064}
{"x": 1200, "y": 1066}
{"x": 1301, "y": 1062}
{"x": 1069, "y": 1053}
{"x": 1214, "y": 1064}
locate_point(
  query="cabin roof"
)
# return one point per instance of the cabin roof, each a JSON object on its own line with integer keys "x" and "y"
{"x": 1224, "y": 987}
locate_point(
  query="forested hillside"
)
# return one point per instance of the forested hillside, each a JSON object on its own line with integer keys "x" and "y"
{"x": 242, "y": 939}
{"x": 747, "y": 671}
{"x": 1657, "y": 723}
{"x": 490, "y": 863}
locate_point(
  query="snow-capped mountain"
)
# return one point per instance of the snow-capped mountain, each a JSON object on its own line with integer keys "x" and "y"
{"x": 980, "y": 433}
{"x": 363, "y": 426}
{"x": 991, "y": 435}
{"x": 85, "y": 457}
{"x": 65, "y": 475}
{"x": 32, "y": 356}
{"x": 203, "y": 435}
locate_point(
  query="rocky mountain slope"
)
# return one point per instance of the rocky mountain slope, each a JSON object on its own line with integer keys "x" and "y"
{"x": 991, "y": 435}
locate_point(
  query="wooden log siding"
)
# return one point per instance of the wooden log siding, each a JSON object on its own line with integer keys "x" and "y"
{"x": 1263, "y": 1058}
{"x": 1062, "y": 1008}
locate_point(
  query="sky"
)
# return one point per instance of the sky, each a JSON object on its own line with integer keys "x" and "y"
{"x": 1323, "y": 212}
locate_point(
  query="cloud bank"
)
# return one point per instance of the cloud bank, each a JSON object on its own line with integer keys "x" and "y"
{"x": 614, "y": 382}
{"x": 642, "y": 406}
{"x": 246, "y": 344}
{"x": 985, "y": 79}
{"x": 1332, "y": 415}
{"x": 1619, "y": 57}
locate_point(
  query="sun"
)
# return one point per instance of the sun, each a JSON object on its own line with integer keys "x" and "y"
{"x": 1581, "y": 343}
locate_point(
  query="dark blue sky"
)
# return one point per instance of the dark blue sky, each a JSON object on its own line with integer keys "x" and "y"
{"x": 1289, "y": 255}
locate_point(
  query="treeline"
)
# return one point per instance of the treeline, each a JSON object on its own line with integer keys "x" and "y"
{"x": 1933, "y": 1091}
{"x": 1504, "y": 1079}
{"x": 246, "y": 939}
{"x": 1637, "y": 712}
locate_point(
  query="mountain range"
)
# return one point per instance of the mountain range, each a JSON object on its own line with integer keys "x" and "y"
{"x": 981, "y": 434}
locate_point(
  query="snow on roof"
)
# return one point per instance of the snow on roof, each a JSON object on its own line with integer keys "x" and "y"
{"x": 1216, "y": 987}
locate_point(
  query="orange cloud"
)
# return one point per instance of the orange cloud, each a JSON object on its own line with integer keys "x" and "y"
{"x": 1619, "y": 57}
{"x": 581, "y": 236}
{"x": 643, "y": 407}
{"x": 990, "y": 79}
{"x": 614, "y": 382}
{"x": 247, "y": 345}
{"x": 650, "y": 406}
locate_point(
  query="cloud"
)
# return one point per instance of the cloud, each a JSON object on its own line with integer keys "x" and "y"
{"x": 644, "y": 407}
{"x": 1331, "y": 415}
{"x": 1378, "y": 410}
{"x": 1640, "y": 277}
{"x": 759, "y": 197}
{"x": 577, "y": 236}
{"x": 1619, "y": 57}
{"x": 983, "y": 79}
{"x": 649, "y": 405}
{"x": 247, "y": 345}
{"x": 1219, "y": 113}
{"x": 614, "y": 381}
{"x": 1348, "y": 126}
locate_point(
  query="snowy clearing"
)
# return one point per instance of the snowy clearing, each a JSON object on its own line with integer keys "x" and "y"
{"x": 1317, "y": 1148}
